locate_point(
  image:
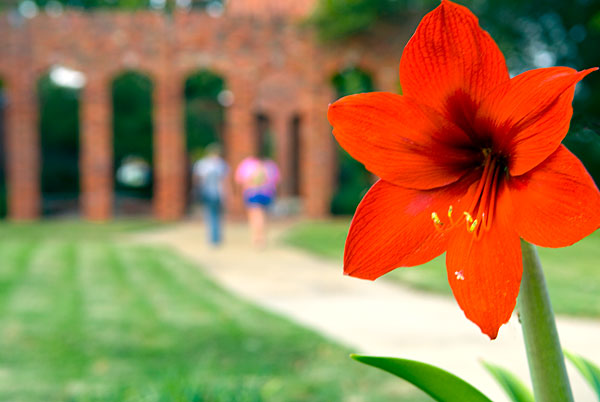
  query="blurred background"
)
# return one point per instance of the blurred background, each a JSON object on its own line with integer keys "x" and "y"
{"x": 530, "y": 35}
{"x": 105, "y": 105}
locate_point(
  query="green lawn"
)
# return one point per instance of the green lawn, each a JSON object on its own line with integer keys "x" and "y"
{"x": 85, "y": 316}
{"x": 572, "y": 273}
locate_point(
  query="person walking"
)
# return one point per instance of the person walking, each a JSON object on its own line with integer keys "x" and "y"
{"x": 210, "y": 177}
{"x": 258, "y": 178}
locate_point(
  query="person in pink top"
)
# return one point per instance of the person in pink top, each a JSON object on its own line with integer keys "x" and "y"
{"x": 258, "y": 179}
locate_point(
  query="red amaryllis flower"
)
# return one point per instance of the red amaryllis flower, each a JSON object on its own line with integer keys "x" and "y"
{"x": 470, "y": 160}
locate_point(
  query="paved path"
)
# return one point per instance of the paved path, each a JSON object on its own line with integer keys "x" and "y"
{"x": 379, "y": 318}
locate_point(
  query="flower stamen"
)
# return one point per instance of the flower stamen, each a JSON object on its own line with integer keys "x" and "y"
{"x": 468, "y": 217}
{"x": 484, "y": 201}
{"x": 436, "y": 219}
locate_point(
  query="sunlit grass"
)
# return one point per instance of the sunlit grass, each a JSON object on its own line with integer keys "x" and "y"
{"x": 85, "y": 316}
{"x": 572, "y": 273}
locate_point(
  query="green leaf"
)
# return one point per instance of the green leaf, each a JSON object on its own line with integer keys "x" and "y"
{"x": 589, "y": 370}
{"x": 439, "y": 384}
{"x": 512, "y": 385}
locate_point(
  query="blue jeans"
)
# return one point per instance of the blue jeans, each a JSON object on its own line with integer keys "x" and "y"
{"x": 213, "y": 212}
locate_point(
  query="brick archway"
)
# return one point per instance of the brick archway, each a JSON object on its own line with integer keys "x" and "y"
{"x": 132, "y": 139}
{"x": 259, "y": 49}
{"x": 58, "y": 129}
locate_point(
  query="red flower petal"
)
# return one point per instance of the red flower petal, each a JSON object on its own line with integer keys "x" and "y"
{"x": 530, "y": 115}
{"x": 485, "y": 273}
{"x": 450, "y": 63}
{"x": 392, "y": 227}
{"x": 557, "y": 203}
{"x": 400, "y": 141}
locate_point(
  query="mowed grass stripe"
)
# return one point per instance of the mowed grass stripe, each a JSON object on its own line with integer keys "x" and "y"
{"x": 16, "y": 262}
{"x": 43, "y": 316}
{"x": 169, "y": 302}
{"x": 190, "y": 296}
{"x": 14, "y": 266}
{"x": 35, "y": 293}
{"x": 231, "y": 308}
{"x": 121, "y": 325}
{"x": 199, "y": 299}
{"x": 120, "y": 319}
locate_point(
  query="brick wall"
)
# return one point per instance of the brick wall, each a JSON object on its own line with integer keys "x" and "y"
{"x": 272, "y": 65}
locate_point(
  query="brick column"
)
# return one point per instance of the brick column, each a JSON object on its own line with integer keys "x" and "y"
{"x": 96, "y": 150}
{"x": 387, "y": 79}
{"x": 281, "y": 122}
{"x": 317, "y": 159}
{"x": 240, "y": 135}
{"x": 169, "y": 148}
{"x": 22, "y": 136}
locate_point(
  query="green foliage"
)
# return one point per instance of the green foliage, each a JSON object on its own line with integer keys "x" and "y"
{"x": 589, "y": 370}
{"x": 353, "y": 183}
{"x": 584, "y": 141}
{"x": 338, "y": 19}
{"x": 132, "y": 122}
{"x": 321, "y": 238}
{"x": 88, "y": 317}
{"x": 512, "y": 385}
{"x": 59, "y": 131}
{"x": 352, "y": 81}
{"x": 353, "y": 179}
{"x": 439, "y": 384}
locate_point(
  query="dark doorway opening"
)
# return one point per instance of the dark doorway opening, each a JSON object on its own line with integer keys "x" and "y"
{"x": 295, "y": 155}
{"x": 59, "y": 139}
{"x": 133, "y": 131}
{"x": 353, "y": 179}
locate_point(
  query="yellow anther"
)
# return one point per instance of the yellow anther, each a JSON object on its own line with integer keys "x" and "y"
{"x": 468, "y": 217}
{"x": 473, "y": 226}
{"x": 450, "y": 212}
{"x": 436, "y": 219}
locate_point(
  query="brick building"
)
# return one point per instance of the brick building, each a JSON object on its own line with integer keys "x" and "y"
{"x": 273, "y": 65}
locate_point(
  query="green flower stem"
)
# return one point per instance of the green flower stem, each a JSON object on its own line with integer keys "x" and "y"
{"x": 544, "y": 354}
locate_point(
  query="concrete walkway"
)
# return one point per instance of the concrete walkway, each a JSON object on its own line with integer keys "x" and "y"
{"x": 378, "y": 318}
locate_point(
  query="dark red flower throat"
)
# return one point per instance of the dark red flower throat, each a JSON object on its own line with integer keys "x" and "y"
{"x": 478, "y": 216}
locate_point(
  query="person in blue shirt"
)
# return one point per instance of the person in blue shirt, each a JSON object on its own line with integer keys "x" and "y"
{"x": 210, "y": 177}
